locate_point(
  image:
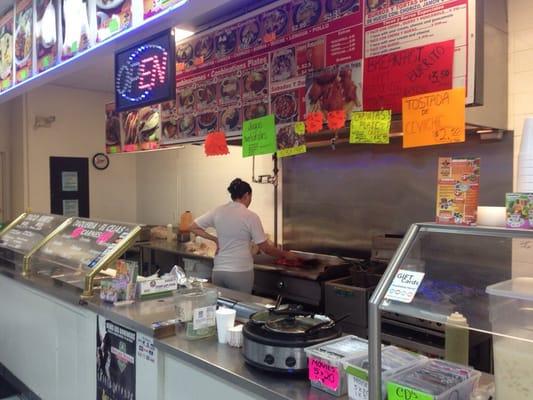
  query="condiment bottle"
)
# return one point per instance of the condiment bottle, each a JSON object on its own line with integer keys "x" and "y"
{"x": 456, "y": 347}
{"x": 185, "y": 221}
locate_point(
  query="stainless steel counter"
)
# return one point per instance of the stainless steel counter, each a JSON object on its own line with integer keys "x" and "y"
{"x": 220, "y": 360}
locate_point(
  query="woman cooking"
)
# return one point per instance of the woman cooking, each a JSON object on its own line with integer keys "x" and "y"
{"x": 236, "y": 227}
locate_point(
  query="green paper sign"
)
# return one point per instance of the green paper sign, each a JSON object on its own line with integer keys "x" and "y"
{"x": 259, "y": 136}
{"x": 113, "y": 25}
{"x": 399, "y": 392}
{"x": 74, "y": 47}
{"x": 370, "y": 127}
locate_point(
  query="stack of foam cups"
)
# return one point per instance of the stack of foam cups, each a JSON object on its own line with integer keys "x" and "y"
{"x": 525, "y": 159}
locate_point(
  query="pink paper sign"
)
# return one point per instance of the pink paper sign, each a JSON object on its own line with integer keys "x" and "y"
{"x": 76, "y": 233}
{"x": 104, "y": 237}
{"x": 324, "y": 373}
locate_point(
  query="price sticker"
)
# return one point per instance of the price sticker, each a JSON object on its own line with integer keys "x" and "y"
{"x": 114, "y": 25}
{"x": 198, "y": 60}
{"x": 299, "y": 128}
{"x": 46, "y": 61}
{"x": 5, "y": 84}
{"x": 269, "y": 37}
{"x": 405, "y": 286}
{"x": 180, "y": 67}
{"x": 74, "y": 47}
{"x": 324, "y": 373}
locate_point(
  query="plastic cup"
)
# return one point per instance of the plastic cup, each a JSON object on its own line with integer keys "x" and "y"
{"x": 225, "y": 320}
{"x": 526, "y": 147}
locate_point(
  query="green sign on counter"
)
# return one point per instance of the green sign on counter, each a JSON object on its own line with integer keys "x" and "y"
{"x": 259, "y": 136}
{"x": 370, "y": 127}
{"x": 399, "y": 392}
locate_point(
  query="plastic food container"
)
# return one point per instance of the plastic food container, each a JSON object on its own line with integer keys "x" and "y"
{"x": 435, "y": 380}
{"x": 511, "y": 313}
{"x": 195, "y": 309}
{"x": 393, "y": 361}
{"x": 325, "y": 362}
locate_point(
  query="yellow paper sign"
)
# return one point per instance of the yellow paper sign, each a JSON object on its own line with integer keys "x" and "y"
{"x": 292, "y": 151}
{"x": 299, "y": 128}
{"x": 434, "y": 118}
{"x": 370, "y": 127}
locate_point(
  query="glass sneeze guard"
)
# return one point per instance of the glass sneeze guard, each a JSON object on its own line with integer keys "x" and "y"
{"x": 466, "y": 270}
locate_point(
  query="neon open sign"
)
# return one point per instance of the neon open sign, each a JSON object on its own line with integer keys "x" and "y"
{"x": 145, "y": 73}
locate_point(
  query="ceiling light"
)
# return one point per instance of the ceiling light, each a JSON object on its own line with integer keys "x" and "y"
{"x": 180, "y": 34}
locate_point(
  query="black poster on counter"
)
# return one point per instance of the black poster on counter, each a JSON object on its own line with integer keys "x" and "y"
{"x": 115, "y": 361}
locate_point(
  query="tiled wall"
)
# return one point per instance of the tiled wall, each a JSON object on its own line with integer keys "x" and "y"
{"x": 520, "y": 13}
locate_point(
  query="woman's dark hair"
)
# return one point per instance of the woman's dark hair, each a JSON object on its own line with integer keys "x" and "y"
{"x": 238, "y": 188}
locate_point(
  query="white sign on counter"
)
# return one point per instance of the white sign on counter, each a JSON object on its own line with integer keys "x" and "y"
{"x": 146, "y": 349}
{"x": 405, "y": 286}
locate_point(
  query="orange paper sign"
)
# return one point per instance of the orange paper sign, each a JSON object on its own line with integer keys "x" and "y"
{"x": 434, "y": 118}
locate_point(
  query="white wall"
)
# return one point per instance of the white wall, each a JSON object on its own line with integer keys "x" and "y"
{"x": 77, "y": 132}
{"x": 520, "y": 66}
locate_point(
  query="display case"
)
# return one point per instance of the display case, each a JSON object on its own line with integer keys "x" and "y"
{"x": 25, "y": 235}
{"x": 484, "y": 273}
{"x": 81, "y": 249}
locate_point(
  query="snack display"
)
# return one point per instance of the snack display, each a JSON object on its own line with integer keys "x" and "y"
{"x": 112, "y": 16}
{"x": 519, "y": 210}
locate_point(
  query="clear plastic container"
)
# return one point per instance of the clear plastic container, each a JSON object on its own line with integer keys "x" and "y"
{"x": 436, "y": 380}
{"x": 393, "y": 361}
{"x": 511, "y": 313}
{"x": 195, "y": 309}
{"x": 325, "y": 362}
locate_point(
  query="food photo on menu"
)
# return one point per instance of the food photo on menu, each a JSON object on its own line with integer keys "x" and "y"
{"x": 283, "y": 64}
{"x": 231, "y": 119}
{"x": 225, "y": 42}
{"x": 250, "y": 34}
{"x": 206, "y": 96}
{"x": 112, "y": 129}
{"x": 130, "y": 128}
{"x": 336, "y": 8}
{"x": 276, "y": 21}
{"x": 184, "y": 54}
{"x": 373, "y": 5}
{"x": 46, "y": 33}
{"x": 255, "y": 83}
{"x": 306, "y": 13}
{"x": 285, "y": 107}
{"x": 206, "y": 123}
{"x": 334, "y": 88}
{"x": 76, "y": 28}
{"x": 112, "y": 17}
{"x": 6, "y": 50}
{"x": 230, "y": 90}
{"x": 23, "y": 39}
{"x": 287, "y": 138}
{"x": 149, "y": 127}
{"x": 255, "y": 110}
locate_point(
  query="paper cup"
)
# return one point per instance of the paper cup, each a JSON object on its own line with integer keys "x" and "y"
{"x": 225, "y": 320}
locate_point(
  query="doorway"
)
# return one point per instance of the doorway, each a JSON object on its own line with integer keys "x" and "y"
{"x": 69, "y": 186}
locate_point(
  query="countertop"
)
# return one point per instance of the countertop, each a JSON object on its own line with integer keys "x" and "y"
{"x": 261, "y": 262}
{"x": 221, "y": 360}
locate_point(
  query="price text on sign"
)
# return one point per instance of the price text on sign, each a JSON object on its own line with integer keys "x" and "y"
{"x": 434, "y": 118}
{"x": 390, "y": 77}
{"x": 370, "y": 127}
{"x": 405, "y": 286}
{"x": 259, "y": 136}
{"x": 327, "y": 375}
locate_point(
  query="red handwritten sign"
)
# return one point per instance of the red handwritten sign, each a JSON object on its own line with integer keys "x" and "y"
{"x": 390, "y": 77}
{"x": 324, "y": 373}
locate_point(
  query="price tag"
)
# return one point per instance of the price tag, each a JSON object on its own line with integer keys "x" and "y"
{"x": 23, "y": 74}
{"x": 405, "y": 286}
{"x": 74, "y": 47}
{"x": 114, "y": 25}
{"x": 180, "y": 67}
{"x": 398, "y": 392}
{"x": 46, "y": 61}
{"x": 5, "y": 84}
{"x": 198, "y": 60}
{"x": 324, "y": 373}
{"x": 299, "y": 128}
{"x": 269, "y": 37}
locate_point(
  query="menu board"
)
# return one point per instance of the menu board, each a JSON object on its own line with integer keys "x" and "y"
{"x": 6, "y": 50}
{"x": 76, "y": 28}
{"x": 153, "y": 7}
{"x": 29, "y": 232}
{"x": 84, "y": 243}
{"x": 113, "y": 16}
{"x": 46, "y": 34}
{"x": 23, "y": 40}
{"x": 395, "y": 25}
{"x": 297, "y": 57}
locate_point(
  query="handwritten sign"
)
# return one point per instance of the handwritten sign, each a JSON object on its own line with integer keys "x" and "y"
{"x": 259, "y": 136}
{"x": 390, "y": 77}
{"x": 324, "y": 373}
{"x": 299, "y": 128}
{"x": 370, "y": 127}
{"x": 404, "y": 286}
{"x": 398, "y": 392}
{"x": 434, "y": 118}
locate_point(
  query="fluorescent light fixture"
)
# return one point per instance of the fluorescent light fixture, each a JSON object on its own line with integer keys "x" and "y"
{"x": 181, "y": 34}
{"x": 106, "y": 43}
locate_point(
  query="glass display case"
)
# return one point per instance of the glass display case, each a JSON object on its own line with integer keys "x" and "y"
{"x": 483, "y": 273}
{"x": 25, "y": 235}
{"x": 81, "y": 249}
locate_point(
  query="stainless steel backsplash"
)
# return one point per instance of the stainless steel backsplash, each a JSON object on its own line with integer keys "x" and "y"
{"x": 335, "y": 201}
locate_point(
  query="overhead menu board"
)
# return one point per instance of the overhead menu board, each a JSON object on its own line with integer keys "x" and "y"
{"x": 29, "y": 232}
{"x": 6, "y": 50}
{"x": 84, "y": 243}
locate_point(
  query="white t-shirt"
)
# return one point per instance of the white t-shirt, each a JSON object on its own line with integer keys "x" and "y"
{"x": 236, "y": 227}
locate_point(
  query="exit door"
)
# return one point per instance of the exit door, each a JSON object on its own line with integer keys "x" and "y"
{"x": 69, "y": 186}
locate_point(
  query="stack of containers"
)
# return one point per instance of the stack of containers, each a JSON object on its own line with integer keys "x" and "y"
{"x": 525, "y": 159}
{"x": 393, "y": 361}
{"x": 324, "y": 360}
{"x": 434, "y": 380}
